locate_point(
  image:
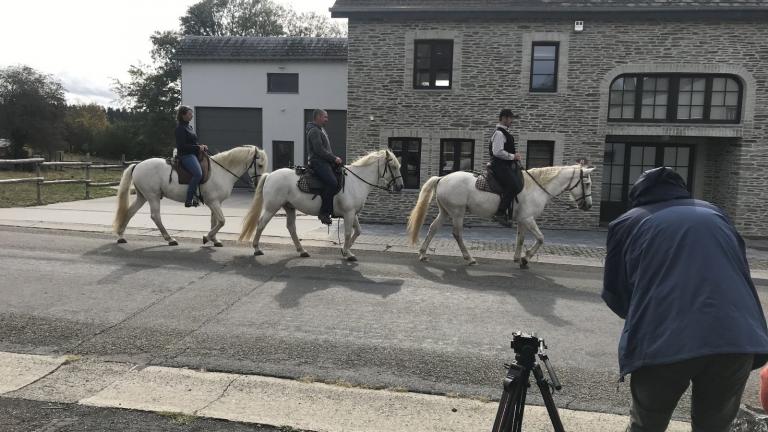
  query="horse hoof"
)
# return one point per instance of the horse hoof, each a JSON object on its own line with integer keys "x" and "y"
{"x": 121, "y": 241}
{"x": 517, "y": 260}
{"x": 205, "y": 239}
{"x": 471, "y": 263}
{"x": 173, "y": 243}
{"x": 351, "y": 258}
{"x": 523, "y": 263}
{"x": 304, "y": 254}
{"x": 423, "y": 258}
{"x": 218, "y": 244}
{"x": 258, "y": 253}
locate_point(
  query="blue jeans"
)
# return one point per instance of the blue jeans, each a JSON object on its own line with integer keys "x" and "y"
{"x": 324, "y": 171}
{"x": 191, "y": 164}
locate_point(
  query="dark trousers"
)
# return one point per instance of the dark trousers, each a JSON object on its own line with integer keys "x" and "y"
{"x": 502, "y": 171}
{"x": 718, "y": 382}
{"x": 192, "y": 165}
{"x": 324, "y": 171}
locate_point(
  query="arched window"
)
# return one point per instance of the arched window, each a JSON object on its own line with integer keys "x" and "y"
{"x": 679, "y": 98}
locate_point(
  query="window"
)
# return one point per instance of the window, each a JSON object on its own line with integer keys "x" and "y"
{"x": 282, "y": 83}
{"x": 540, "y": 154}
{"x": 408, "y": 152}
{"x": 282, "y": 152}
{"x": 675, "y": 98}
{"x": 613, "y": 172}
{"x": 544, "y": 67}
{"x": 432, "y": 64}
{"x": 456, "y": 155}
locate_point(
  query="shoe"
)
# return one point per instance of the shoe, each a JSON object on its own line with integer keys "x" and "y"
{"x": 502, "y": 219}
{"x": 193, "y": 203}
{"x": 325, "y": 219}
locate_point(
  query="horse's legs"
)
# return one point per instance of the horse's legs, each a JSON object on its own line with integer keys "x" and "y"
{"x": 154, "y": 209}
{"x": 355, "y": 230}
{"x": 266, "y": 216}
{"x": 217, "y": 221}
{"x": 433, "y": 227}
{"x": 458, "y": 227}
{"x": 520, "y": 241}
{"x": 290, "y": 223}
{"x": 349, "y": 219}
{"x": 135, "y": 206}
{"x": 534, "y": 229}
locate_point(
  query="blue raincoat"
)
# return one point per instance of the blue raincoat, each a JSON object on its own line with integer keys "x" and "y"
{"x": 676, "y": 270}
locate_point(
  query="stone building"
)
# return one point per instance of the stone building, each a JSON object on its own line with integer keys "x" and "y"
{"x": 626, "y": 84}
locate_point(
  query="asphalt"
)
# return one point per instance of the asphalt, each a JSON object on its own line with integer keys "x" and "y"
{"x": 583, "y": 248}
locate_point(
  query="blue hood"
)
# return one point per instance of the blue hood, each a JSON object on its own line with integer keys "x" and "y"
{"x": 656, "y": 185}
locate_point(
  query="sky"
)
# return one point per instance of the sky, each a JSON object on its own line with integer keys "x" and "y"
{"x": 87, "y": 44}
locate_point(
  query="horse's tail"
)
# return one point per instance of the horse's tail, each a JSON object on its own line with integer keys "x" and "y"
{"x": 251, "y": 220}
{"x": 122, "y": 198}
{"x": 419, "y": 212}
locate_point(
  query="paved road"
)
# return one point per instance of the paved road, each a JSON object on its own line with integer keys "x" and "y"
{"x": 387, "y": 321}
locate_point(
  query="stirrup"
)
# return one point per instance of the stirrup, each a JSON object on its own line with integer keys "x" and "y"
{"x": 325, "y": 219}
{"x": 193, "y": 203}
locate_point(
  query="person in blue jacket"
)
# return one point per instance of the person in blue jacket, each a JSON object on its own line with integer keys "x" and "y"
{"x": 188, "y": 150}
{"x": 676, "y": 271}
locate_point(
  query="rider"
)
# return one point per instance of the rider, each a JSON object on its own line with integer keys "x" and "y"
{"x": 504, "y": 164}
{"x": 188, "y": 150}
{"x": 323, "y": 161}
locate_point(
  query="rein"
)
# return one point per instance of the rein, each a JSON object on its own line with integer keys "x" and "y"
{"x": 253, "y": 161}
{"x": 568, "y": 188}
{"x": 386, "y": 167}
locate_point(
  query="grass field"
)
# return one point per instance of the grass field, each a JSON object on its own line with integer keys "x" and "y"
{"x": 24, "y": 194}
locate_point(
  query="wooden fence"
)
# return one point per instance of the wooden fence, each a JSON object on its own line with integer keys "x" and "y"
{"x": 40, "y": 181}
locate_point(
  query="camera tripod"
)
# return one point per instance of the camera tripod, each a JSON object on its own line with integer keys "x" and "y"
{"x": 509, "y": 417}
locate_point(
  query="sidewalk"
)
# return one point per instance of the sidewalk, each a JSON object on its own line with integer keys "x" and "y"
{"x": 560, "y": 246}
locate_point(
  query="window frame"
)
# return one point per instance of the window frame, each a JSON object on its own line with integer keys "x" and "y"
{"x": 456, "y": 143}
{"x": 551, "y": 145}
{"x": 270, "y": 76}
{"x": 673, "y": 98}
{"x": 405, "y": 158}
{"x": 432, "y": 69}
{"x": 554, "y": 71}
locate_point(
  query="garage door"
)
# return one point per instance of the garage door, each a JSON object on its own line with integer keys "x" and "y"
{"x": 225, "y": 128}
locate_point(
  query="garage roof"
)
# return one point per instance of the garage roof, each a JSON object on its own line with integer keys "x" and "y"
{"x": 261, "y": 48}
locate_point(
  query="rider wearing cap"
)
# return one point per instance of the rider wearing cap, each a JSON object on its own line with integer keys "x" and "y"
{"x": 504, "y": 163}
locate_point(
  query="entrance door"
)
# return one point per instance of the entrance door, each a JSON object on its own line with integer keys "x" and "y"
{"x": 336, "y": 129}
{"x": 623, "y": 164}
{"x": 282, "y": 152}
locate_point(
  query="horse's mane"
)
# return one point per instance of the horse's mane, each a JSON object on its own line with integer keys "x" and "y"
{"x": 545, "y": 175}
{"x": 369, "y": 158}
{"x": 228, "y": 158}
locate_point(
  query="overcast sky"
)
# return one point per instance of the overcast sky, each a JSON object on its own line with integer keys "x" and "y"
{"x": 87, "y": 44}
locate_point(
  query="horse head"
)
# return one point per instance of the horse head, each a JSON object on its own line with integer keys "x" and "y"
{"x": 260, "y": 162}
{"x": 581, "y": 189}
{"x": 392, "y": 168}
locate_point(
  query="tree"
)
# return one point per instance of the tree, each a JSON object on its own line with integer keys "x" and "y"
{"x": 31, "y": 110}
{"x": 82, "y": 123}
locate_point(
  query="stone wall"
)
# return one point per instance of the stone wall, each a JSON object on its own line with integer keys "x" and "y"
{"x": 491, "y": 71}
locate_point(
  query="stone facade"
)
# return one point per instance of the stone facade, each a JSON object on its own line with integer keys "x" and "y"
{"x": 491, "y": 71}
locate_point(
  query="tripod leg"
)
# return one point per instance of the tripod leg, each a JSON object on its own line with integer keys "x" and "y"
{"x": 549, "y": 402}
{"x": 510, "y": 400}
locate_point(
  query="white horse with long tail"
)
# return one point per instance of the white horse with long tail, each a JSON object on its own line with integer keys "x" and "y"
{"x": 153, "y": 179}
{"x": 456, "y": 194}
{"x": 279, "y": 190}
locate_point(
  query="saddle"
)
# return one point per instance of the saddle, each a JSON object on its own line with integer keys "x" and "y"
{"x": 184, "y": 175}
{"x": 310, "y": 183}
{"x": 486, "y": 182}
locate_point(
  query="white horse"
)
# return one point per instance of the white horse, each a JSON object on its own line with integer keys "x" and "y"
{"x": 456, "y": 194}
{"x": 151, "y": 178}
{"x": 279, "y": 189}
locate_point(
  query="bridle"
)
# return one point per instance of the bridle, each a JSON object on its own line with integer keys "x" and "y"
{"x": 252, "y": 164}
{"x": 383, "y": 174}
{"x": 571, "y": 186}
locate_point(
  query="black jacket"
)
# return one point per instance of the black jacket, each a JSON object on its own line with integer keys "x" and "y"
{"x": 186, "y": 140}
{"x": 676, "y": 270}
{"x": 318, "y": 146}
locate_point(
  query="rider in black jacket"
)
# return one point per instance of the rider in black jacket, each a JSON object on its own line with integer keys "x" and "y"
{"x": 504, "y": 164}
{"x": 323, "y": 161}
{"x": 188, "y": 150}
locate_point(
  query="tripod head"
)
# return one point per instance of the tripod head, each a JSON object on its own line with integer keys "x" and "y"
{"x": 526, "y": 347}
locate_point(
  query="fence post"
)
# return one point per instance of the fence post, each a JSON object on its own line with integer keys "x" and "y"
{"x": 87, "y": 183}
{"x": 38, "y": 183}
{"x": 122, "y": 159}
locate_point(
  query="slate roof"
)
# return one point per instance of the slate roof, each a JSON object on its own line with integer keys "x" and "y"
{"x": 343, "y": 8}
{"x": 261, "y": 48}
